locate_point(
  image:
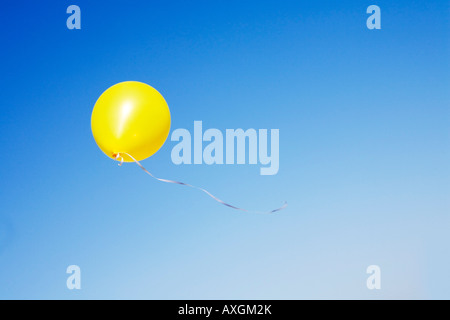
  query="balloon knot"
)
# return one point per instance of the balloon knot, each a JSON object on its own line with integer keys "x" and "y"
{"x": 117, "y": 156}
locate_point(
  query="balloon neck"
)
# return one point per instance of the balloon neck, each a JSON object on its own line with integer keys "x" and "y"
{"x": 117, "y": 156}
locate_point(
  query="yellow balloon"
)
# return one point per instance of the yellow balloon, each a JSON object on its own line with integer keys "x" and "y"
{"x": 130, "y": 117}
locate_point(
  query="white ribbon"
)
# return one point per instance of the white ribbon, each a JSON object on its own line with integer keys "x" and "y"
{"x": 118, "y": 156}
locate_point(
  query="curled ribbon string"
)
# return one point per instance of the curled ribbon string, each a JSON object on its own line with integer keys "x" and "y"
{"x": 118, "y": 156}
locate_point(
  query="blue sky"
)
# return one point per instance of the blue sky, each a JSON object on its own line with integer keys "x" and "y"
{"x": 364, "y": 150}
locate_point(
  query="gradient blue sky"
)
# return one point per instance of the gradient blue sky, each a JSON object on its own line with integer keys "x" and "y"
{"x": 364, "y": 150}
